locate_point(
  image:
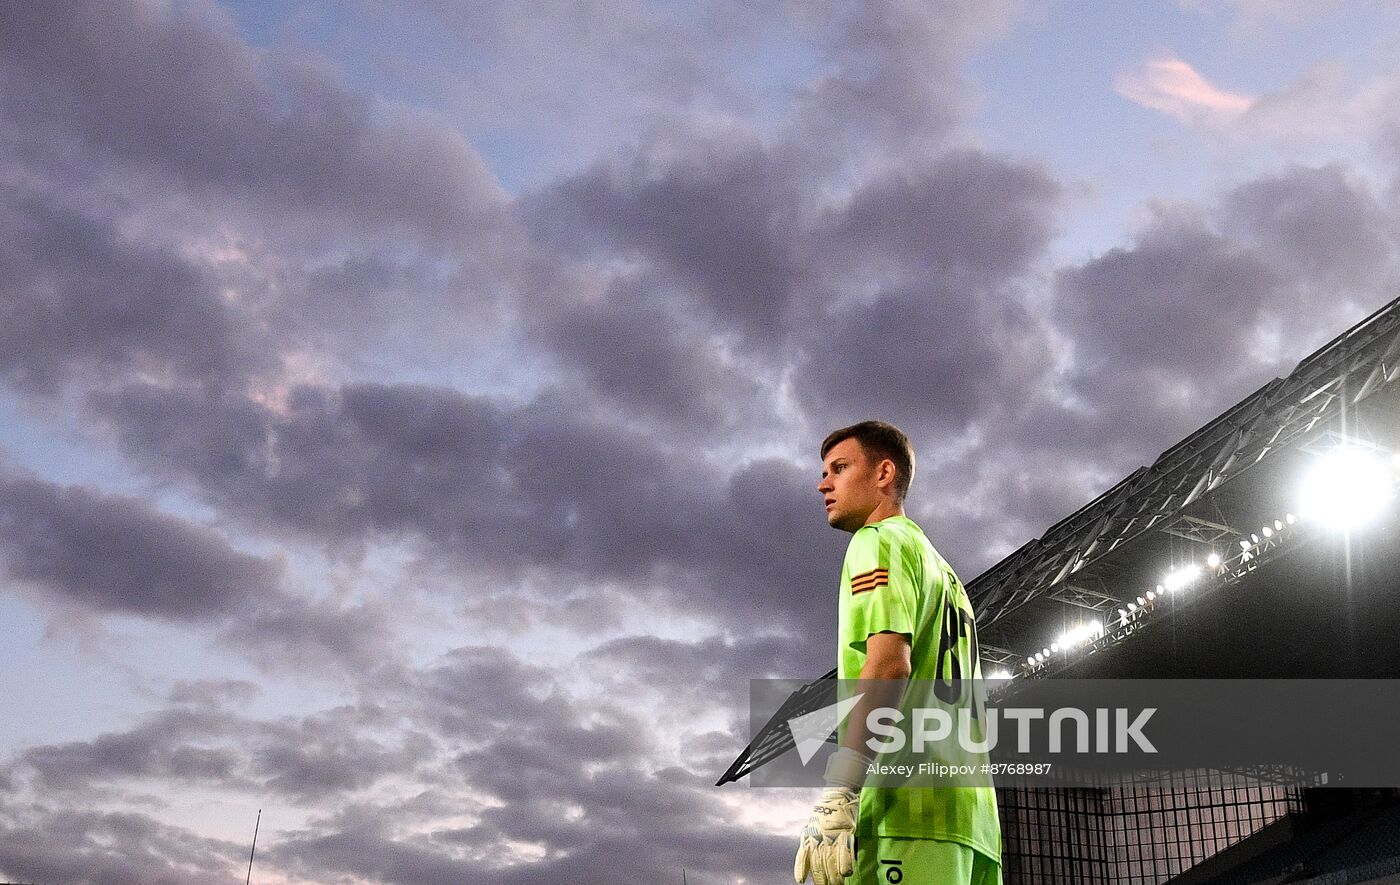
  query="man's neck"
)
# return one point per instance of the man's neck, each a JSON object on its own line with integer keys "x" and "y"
{"x": 884, "y": 511}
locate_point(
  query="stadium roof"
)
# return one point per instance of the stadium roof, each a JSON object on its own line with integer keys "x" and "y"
{"x": 1222, "y": 485}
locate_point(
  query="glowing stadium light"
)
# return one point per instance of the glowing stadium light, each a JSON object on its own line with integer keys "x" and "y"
{"x": 1347, "y": 487}
{"x": 1039, "y": 657}
{"x": 1254, "y": 538}
{"x": 1076, "y": 636}
{"x": 1290, "y": 518}
{"x": 1244, "y": 545}
{"x": 1001, "y": 674}
{"x": 1054, "y": 646}
{"x": 1030, "y": 662}
{"x": 1213, "y": 560}
{"x": 1045, "y": 652}
{"x": 1183, "y": 576}
{"x": 1151, "y": 595}
{"x": 1132, "y": 606}
{"x": 1141, "y": 601}
{"x": 1268, "y": 532}
{"x": 1278, "y": 525}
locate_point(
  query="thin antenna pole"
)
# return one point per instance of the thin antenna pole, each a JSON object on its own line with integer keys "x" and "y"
{"x": 255, "y": 848}
{"x": 683, "y": 876}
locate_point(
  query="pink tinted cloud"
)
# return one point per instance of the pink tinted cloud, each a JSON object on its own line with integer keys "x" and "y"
{"x": 1172, "y": 86}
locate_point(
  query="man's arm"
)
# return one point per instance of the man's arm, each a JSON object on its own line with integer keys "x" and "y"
{"x": 827, "y": 847}
{"x": 883, "y": 678}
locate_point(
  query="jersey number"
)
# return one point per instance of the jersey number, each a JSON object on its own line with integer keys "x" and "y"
{"x": 948, "y": 684}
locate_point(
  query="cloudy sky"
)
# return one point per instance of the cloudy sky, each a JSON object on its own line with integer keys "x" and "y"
{"x": 408, "y": 417}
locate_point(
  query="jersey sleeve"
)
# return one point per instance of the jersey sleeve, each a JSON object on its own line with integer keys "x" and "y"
{"x": 883, "y": 586}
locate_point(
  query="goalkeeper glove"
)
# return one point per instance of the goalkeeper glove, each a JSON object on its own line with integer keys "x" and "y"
{"x": 826, "y": 848}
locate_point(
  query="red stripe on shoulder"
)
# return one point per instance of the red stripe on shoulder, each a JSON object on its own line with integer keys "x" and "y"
{"x": 867, "y": 581}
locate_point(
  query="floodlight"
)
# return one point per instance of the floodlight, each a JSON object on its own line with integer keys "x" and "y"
{"x": 1123, "y": 615}
{"x": 1268, "y": 532}
{"x": 1045, "y": 651}
{"x": 1254, "y": 538}
{"x": 1290, "y": 518}
{"x": 1001, "y": 674}
{"x": 1244, "y": 545}
{"x": 1054, "y": 646}
{"x": 1183, "y": 576}
{"x": 1278, "y": 525}
{"x": 1347, "y": 487}
{"x": 1030, "y": 662}
{"x": 1150, "y": 595}
{"x": 1132, "y": 606}
{"x": 1213, "y": 560}
{"x": 1081, "y": 634}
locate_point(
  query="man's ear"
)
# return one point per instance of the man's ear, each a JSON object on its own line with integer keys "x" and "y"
{"x": 886, "y": 473}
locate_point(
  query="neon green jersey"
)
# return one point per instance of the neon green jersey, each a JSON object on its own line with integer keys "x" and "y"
{"x": 893, "y": 580}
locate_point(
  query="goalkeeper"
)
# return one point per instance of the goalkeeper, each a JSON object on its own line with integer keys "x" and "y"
{"x": 903, "y": 615}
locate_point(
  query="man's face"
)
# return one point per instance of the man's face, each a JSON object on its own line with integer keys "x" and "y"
{"x": 848, "y": 485}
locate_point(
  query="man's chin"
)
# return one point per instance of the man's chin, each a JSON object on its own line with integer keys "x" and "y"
{"x": 838, "y": 521}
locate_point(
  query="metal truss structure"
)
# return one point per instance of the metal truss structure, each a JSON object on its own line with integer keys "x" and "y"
{"x": 1198, "y": 494}
{"x": 775, "y": 737}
